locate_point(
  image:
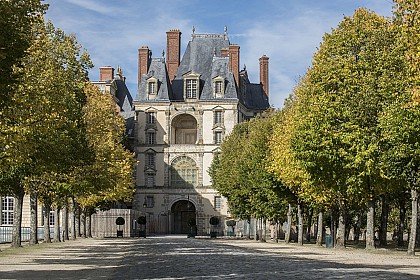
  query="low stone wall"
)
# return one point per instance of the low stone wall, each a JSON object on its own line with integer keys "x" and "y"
{"x": 103, "y": 223}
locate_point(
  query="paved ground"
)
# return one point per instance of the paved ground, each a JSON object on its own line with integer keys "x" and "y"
{"x": 174, "y": 257}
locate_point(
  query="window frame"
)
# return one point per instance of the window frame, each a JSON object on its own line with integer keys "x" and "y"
{"x": 7, "y": 210}
{"x": 151, "y": 140}
{"x": 218, "y": 137}
{"x": 152, "y": 86}
{"x": 191, "y": 86}
{"x": 151, "y": 117}
{"x": 219, "y": 86}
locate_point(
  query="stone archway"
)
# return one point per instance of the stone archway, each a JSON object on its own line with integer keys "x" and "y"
{"x": 184, "y": 213}
{"x": 184, "y": 129}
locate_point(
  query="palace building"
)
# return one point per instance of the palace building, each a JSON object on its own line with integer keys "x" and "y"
{"x": 183, "y": 110}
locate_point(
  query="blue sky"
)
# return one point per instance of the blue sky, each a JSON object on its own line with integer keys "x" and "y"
{"x": 288, "y": 32}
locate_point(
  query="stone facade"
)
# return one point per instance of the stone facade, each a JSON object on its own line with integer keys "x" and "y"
{"x": 181, "y": 117}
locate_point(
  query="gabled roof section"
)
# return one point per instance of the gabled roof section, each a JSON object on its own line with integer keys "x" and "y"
{"x": 158, "y": 71}
{"x": 252, "y": 95}
{"x": 199, "y": 57}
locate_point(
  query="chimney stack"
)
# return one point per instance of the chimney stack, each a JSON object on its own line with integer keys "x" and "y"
{"x": 173, "y": 52}
{"x": 264, "y": 74}
{"x": 234, "y": 62}
{"x": 144, "y": 61}
{"x": 106, "y": 73}
{"x": 224, "y": 52}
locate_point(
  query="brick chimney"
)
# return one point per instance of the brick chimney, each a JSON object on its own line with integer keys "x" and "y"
{"x": 106, "y": 73}
{"x": 264, "y": 74}
{"x": 224, "y": 52}
{"x": 234, "y": 62}
{"x": 144, "y": 61}
{"x": 173, "y": 52}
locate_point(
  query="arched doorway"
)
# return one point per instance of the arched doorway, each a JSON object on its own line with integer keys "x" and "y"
{"x": 184, "y": 129}
{"x": 183, "y": 215}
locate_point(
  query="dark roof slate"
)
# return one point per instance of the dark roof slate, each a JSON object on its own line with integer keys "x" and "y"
{"x": 157, "y": 69}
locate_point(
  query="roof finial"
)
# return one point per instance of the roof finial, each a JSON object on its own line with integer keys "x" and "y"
{"x": 119, "y": 71}
{"x": 244, "y": 67}
{"x": 193, "y": 29}
{"x": 225, "y": 30}
{"x": 163, "y": 53}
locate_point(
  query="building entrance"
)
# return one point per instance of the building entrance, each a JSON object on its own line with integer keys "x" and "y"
{"x": 184, "y": 216}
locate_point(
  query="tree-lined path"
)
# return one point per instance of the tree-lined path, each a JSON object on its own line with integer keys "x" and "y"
{"x": 175, "y": 257}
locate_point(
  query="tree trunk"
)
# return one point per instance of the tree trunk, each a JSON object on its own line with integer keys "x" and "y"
{"x": 309, "y": 227}
{"x": 65, "y": 222}
{"x": 277, "y": 228}
{"x": 263, "y": 230}
{"x": 300, "y": 224}
{"x": 47, "y": 209}
{"x": 248, "y": 230}
{"x": 418, "y": 224}
{"x": 341, "y": 230}
{"x": 401, "y": 227}
{"x": 333, "y": 228}
{"x": 57, "y": 224}
{"x": 289, "y": 224}
{"x": 88, "y": 224}
{"x": 33, "y": 204}
{"x": 413, "y": 229}
{"x": 356, "y": 228}
{"x": 320, "y": 229}
{"x": 77, "y": 219}
{"x": 83, "y": 222}
{"x": 17, "y": 221}
{"x": 384, "y": 222}
{"x": 73, "y": 219}
{"x": 370, "y": 225}
{"x": 255, "y": 229}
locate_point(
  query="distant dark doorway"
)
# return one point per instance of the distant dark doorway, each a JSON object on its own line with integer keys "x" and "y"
{"x": 184, "y": 214}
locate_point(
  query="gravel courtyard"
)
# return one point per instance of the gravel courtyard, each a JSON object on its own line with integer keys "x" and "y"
{"x": 178, "y": 257}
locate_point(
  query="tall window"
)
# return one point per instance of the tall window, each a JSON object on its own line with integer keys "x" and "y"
{"x": 52, "y": 218}
{"x": 191, "y": 88}
{"x": 150, "y": 180}
{"x": 150, "y": 159}
{"x": 150, "y": 117}
{"x": 183, "y": 172}
{"x": 218, "y": 87}
{"x": 217, "y": 202}
{"x": 7, "y": 208}
{"x": 150, "y": 201}
{"x": 151, "y": 137}
{"x": 218, "y": 117}
{"x": 152, "y": 88}
{"x": 218, "y": 136}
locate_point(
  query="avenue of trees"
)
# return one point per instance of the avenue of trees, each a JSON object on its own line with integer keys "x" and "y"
{"x": 61, "y": 139}
{"x": 346, "y": 145}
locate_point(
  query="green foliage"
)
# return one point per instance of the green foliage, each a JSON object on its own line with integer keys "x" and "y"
{"x": 17, "y": 19}
{"x": 239, "y": 173}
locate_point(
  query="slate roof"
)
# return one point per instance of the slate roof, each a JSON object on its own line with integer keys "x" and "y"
{"x": 125, "y": 102}
{"x": 203, "y": 56}
{"x": 157, "y": 69}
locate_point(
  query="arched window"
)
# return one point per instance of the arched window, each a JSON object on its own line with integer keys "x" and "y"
{"x": 184, "y": 129}
{"x": 183, "y": 172}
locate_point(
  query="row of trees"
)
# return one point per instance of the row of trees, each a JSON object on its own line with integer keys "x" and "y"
{"x": 348, "y": 137}
{"x": 61, "y": 139}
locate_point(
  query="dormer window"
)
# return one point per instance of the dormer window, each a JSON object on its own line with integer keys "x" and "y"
{"x": 191, "y": 88}
{"x": 191, "y": 85}
{"x": 218, "y": 86}
{"x": 152, "y": 87}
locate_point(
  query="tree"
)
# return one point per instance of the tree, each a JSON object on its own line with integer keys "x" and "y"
{"x": 337, "y": 139}
{"x": 401, "y": 120}
{"x": 17, "y": 20}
